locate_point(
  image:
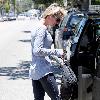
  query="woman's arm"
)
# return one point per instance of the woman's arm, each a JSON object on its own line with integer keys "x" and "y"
{"x": 39, "y": 50}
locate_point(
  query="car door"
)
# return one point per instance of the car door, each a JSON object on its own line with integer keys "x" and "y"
{"x": 83, "y": 48}
{"x": 97, "y": 59}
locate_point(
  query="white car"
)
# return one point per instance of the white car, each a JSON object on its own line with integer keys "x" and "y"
{"x": 1, "y": 19}
{"x": 21, "y": 17}
{"x": 5, "y": 18}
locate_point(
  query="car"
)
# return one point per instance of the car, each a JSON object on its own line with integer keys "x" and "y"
{"x": 85, "y": 42}
{"x": 10, "y": 18}
{"x": 34, "y": 13}
{"x": 69, "y": 22}
{"x": 93, "y": 14}
{"x": 1, "y": 19}
{"x": 85, "y": 52}
{"x": 5, "y": 18}
{"x": 21, "y": 16}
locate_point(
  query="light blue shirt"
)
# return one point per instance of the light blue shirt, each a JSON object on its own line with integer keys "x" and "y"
{"x": 41, "y": 50}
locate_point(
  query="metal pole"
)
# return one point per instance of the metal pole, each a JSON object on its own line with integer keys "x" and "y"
{"x": 80, "y": 83}
{"x": 96, "y": 89}
{"x": 96, "y": 85}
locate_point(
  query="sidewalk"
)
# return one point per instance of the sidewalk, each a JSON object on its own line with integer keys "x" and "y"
{"x": 15, "y": 57}
{"x": 18, "y": 88}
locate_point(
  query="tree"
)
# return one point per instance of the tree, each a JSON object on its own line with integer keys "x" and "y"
{"x": 48, "y": 2}
{"x": 7, "y": 6}
{"x": 14, "y": 4}
{"x": 95, "y": 2}
{"x": 2, "y": 2}
{"x": 4, "y": 6}
{"x": 23, "y": 5}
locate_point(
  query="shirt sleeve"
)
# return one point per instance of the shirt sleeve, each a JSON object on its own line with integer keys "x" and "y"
{"x": 38, "y": 45}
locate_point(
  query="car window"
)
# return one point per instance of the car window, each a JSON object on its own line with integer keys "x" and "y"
{"x": 88, "y": 37}
{"x": 98, "y": 29}
{"x": 75, "y": 20}
{"x": 64, "y": 21}
{"x": 71, "y": 19}
{"x": 79, "y": 28}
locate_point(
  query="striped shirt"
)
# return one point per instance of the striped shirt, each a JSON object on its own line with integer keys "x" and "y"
{"x": 41, "y": 41}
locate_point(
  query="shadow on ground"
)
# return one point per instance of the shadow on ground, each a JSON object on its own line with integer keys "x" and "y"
{"x": 22, "y": 71}
{"x": 26, "y": 31}
{"x": 25, "y": 40}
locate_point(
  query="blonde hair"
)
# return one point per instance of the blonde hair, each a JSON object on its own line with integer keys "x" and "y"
{"x": 54, "y": 9}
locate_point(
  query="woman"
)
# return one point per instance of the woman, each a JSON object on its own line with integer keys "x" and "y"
{"x": 41, "y": 73}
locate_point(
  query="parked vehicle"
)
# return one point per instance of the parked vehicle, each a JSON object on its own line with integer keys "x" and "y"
{"x": 93, "y": 14}
{"x": 85, "y": 52}
{"x": 34, "y": 13}
{"x": 5, "y": 18}
{"x": 70, "y": 21}
{"x": 21, "y": 16}
{"x": 1, "y": 19}
{"x": 11, "y": 17}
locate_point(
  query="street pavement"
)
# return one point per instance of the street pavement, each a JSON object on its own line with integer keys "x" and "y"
{"x": 17, "y": 90}
{"x": 15, "y": 56}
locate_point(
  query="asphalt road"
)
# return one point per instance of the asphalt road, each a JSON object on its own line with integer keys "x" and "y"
{"x": 14, "y": 43}
{"x": 15, "y": 56}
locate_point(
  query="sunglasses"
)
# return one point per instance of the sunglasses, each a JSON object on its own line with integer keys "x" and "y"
{"x": 57, "y": 18}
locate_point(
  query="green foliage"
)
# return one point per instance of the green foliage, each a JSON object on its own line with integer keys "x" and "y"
{"x": 14, "y": 3}
{"x": 95, "y": 2}
{"x": 48, "y": 2}
{"x": 7, "y": 6}
{"x": 23, "y": 5}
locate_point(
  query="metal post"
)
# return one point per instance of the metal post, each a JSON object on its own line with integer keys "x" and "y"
{"x": 80, "y": 83}
{"x": 96, "y": 89}
{"x": 96, "y": 85}
{"x": 84, "y": 81}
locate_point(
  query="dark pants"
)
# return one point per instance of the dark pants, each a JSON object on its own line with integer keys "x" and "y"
{"x": 46, "y": 84}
